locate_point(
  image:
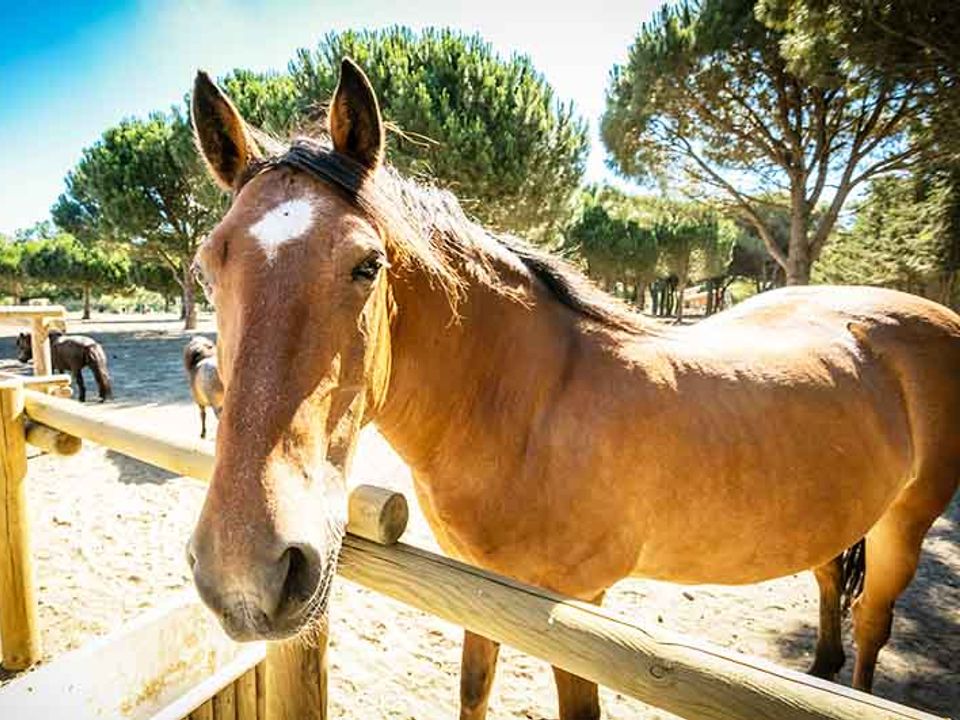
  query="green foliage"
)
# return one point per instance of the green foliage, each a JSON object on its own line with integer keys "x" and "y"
{"x": 146, "y": 179}
{"x": 639, "y": 240}
{"x": 143, "y": 184}
{"x": 64, "y": 261}
{"x": 906, "y": 236}
{"x": 904, "y": 42}
{"x": 501, "y": 141}
{"x": 614, "y": 248}
{"x": 268, "y": 101}
{"x": 154, "y": 276}
{"x": 490, "y": 130}
{"x": 686, "y": 234}
{"x": 12, "y": 275}
{"x": 708, "y": 95}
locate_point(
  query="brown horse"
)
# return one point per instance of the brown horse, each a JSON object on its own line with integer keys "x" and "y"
{"x": 553, "y": 436}
{"x": 72, "y": 353}
{"x": 200, "y": 364}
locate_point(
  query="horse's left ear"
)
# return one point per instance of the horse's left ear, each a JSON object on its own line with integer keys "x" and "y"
{"x": 354, "y": 119}
{"x": 222, "y": 135}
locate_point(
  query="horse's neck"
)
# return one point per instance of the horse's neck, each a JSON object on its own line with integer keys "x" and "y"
{"x": 460, "y": 388}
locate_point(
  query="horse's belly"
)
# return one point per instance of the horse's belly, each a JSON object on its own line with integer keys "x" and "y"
{"x": 736, "y": 543}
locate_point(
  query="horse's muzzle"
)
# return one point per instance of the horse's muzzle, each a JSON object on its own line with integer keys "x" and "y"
{"x": 265, "y": 600}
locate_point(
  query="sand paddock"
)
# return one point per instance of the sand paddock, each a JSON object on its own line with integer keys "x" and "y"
{"x": 109, "y": 533}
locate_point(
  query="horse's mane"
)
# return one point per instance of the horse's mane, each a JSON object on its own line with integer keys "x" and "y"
{"x": 427, "y": 226}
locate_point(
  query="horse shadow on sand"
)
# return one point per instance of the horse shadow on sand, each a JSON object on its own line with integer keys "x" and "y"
{"x": 131, "y": 471}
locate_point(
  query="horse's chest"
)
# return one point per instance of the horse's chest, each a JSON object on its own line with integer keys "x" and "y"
{"x": 517, "y": 528}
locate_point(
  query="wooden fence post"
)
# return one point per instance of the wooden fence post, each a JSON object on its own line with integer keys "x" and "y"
{"x": 40, "y": 342}
{"x": 296, "y": 679}
{"x": 19, "y": 633}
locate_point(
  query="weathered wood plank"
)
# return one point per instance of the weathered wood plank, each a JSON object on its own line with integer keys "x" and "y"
{"x": 678, "y": 675}
{"x": 52, "y": 441}
{"x": 40, "y": 343}
{"x": 162, "y": 666}
{"x": 378, "y": 514}
{"x": 20, "y": 314}
{"x": 204, "y": 712}
{"x": 166, "y": 450}
{"x": 225, "y": 703}
{"x": 296, "y": 680}
{"x": 19, "y": 630}
{"x": 246, "y": 687}
{"x": 261, "y": 670}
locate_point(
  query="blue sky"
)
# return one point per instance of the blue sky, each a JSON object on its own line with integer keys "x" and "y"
{"x": 70, "y": 69}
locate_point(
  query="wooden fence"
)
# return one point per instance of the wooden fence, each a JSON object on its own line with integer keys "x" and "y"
{"x": 672, "y": 672}
{"x": 39, "y": 320}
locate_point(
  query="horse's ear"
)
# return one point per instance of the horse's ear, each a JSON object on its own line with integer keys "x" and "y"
{"x": 354, "y": 119}
{"x": 222, "y": 136}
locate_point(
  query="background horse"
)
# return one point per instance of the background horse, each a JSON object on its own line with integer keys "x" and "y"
{"x": 72, "y": 353}
{"x": 200, "y": 363}
{"x": 552, "y": 435}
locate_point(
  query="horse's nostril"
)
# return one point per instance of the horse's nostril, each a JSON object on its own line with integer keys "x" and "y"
{"x": 301, "y": 580}
{"x": 191, "y": 555}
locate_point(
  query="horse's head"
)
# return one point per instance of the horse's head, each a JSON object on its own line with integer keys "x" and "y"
{"x": 296, "y": 272}
{"x": 24, "y": 348}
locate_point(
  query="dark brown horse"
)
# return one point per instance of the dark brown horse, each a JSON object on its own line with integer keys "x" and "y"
{"x": 72, "y": 353}
{"x": 200, "y": 364}
{"x": 552, "y": 435}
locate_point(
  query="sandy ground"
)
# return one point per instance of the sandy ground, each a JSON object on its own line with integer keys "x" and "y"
{"x": 109, "y": 533}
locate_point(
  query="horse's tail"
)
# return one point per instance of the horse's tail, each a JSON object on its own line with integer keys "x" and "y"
{"x": 96, "y": 358}
{"x": 853, "y": 562}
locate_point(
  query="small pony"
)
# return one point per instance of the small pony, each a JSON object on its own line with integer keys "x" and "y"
{"x": 72, "y": 353}
{"x": 200, "y": 362}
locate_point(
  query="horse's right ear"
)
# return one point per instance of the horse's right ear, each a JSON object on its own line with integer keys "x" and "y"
{"x": 222, "y": 136}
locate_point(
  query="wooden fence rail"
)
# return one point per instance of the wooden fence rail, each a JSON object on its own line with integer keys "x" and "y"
{"x": 39, "y": 319}
{"x": 688, "y": 678}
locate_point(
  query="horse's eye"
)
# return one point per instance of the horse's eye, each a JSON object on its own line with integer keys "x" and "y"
{"x": 368, "y": 268}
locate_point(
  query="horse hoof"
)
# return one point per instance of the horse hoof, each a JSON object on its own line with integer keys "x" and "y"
{"x": 825, "y": 671}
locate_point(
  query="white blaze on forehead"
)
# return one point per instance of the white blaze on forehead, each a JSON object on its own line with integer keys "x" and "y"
{"x": 287, "y": 221}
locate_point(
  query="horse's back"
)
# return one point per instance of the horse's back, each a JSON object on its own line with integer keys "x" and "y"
{"x": 73, "y": 351}
{"x": 811, "y": 402}
{"x": 864, "y": 329}
{"x": 78, "y": 342}
{"x": 915, "y": 338}
{"x": 799, "y": 308}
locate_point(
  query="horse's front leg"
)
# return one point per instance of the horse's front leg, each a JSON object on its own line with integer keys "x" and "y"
{"x": 577, "y": 698}
{"x": 477, "y": 669}
{"x": 81, "y": 388}
{"x": 203, "y": 421}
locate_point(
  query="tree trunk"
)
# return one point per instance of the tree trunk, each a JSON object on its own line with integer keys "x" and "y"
{"x": 798, "y": 269}
{"x": 86, "y": 302}
{"x": 189, "y": 305}
{"x": 166, "y": 302}
{"x": 681, "y": 287}
{"x": 641, "y": 296}
{"x": 799, "y": 257}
